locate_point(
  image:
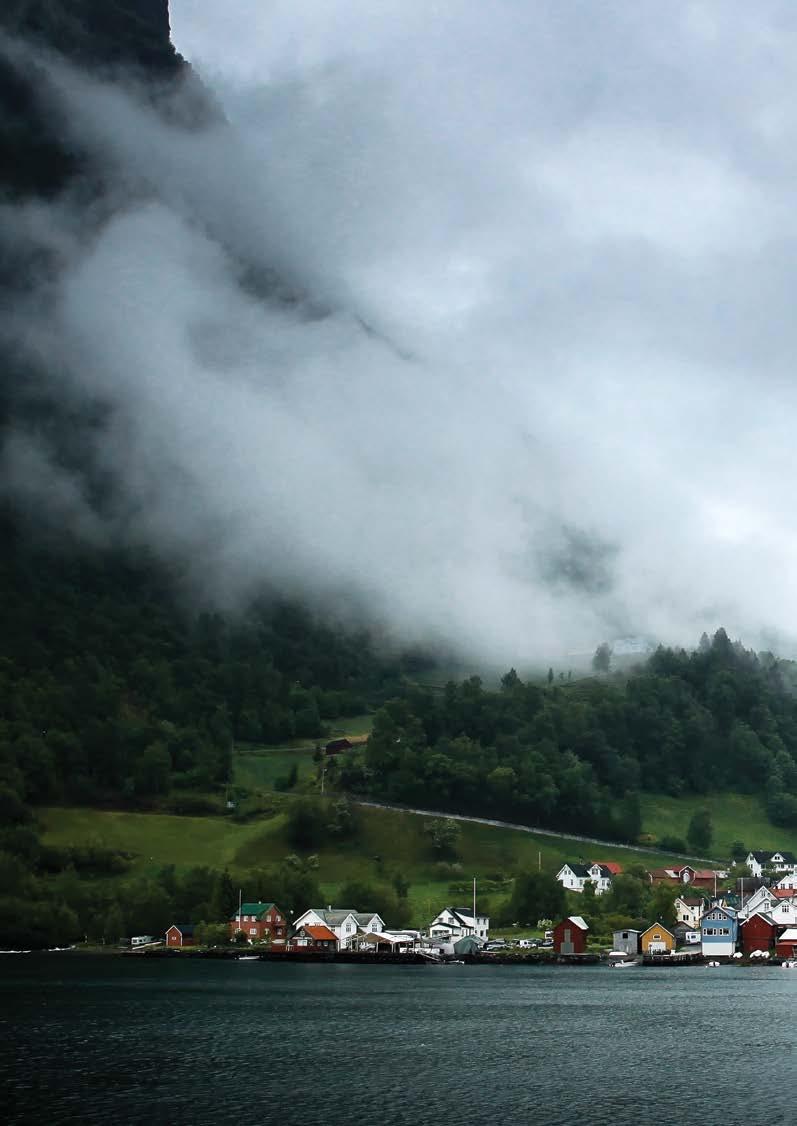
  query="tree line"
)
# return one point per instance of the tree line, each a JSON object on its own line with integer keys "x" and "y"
{"x": 577, "y": 756}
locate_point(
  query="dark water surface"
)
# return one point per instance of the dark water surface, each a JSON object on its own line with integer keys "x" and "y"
{"x": 91, "y": 1039}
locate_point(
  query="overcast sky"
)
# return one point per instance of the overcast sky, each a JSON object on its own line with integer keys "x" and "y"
{"x": 551, "y": 397}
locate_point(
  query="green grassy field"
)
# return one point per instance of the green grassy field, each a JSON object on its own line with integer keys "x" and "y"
{"x": 734, "y": 817}
{"x": 387, "y": 843}
{"x": 260, "y": 770}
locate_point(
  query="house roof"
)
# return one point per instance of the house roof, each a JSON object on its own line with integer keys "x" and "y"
{"x": 760, "y": 915}
{"x": 691, "y": 900}
{"x": 319, "y": 933}
{"x": 612, "y": 867}
{"x": 580, "y": 870}
{"x": 789, "y": 935}
{"x": 365, "y": 917}
{"x": 765, "y": 857}
{"x": 333, "y": 917}
{"x": 783, "y": 893}
{"x": 706, "y": 874}
{"x": 578, "y": 921}
{"x": 256, "y": 909}
{"x": 183, "y": 928}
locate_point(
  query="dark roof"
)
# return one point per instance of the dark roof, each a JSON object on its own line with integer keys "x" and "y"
{"x": 760, "y": 915}
{"x": 578, "y": 869}
{"x": 765, "y": 857}
{"x": 183, "y": 928}
{"x": 337, "y": 745}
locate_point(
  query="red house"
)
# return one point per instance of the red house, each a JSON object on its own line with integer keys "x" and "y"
{"x": 570, "y": 936}
{"x": 260, "y": 922}
{"x": 180, "y": 934}
{"x": 318, "y": 939}
{"x": 759, "y": 932}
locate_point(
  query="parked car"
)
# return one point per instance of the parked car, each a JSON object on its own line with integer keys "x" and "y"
{"x": 547, "y": 942}
{"x": 528, "y": 943}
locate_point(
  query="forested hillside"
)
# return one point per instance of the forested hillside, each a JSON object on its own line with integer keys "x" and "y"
{"x": 576, "y": 756}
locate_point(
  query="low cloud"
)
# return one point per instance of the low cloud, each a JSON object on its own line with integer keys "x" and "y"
{"x": 475, "y": 324}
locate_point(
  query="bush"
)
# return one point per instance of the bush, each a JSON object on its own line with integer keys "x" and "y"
{"x": 672, "y": 844}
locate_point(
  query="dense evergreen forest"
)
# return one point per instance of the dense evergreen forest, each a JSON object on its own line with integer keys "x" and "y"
{"x": 576, "y": 755}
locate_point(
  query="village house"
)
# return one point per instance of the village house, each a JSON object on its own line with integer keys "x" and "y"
{"x": 686, "y": 874}
{"x": 457, "y": 922}
{"x": 570, "y": 936}
{"x": 776, "y": 861}
{"x": 344, "y": 922}
{"x": 760, "y": 900}
{"x": 318, "y": 939}
{"x": 626, "y": 942}
{"x": 786, "y": 946}
{"x": 260, "y": 922}
{"x": 180, "y": 934}
{"x": 759, "y": 932}
{"x": 784, "y": 912}
{"x": 574, "y": 877}
{"x": 718, "y": 932}
{"x": 688, "y": 909}
{"x": 657, "y": 939}
{"x": 787, "y": 882}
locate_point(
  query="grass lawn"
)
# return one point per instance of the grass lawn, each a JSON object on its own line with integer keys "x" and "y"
{"x": 388, "y": 842}
{"x": 735, "y": 817}
{"x": 259, "y": 770}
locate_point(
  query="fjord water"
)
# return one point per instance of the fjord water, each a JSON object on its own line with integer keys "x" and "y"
{"x": 88, "y": 1039}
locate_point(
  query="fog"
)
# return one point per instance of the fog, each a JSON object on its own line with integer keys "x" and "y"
{"x": 472, "y": 321}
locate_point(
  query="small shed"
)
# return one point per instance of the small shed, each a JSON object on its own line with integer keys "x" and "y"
{"x": 467, "y": 945}
{"x": 657, "y": 940}
{"x": 759, "y": 932}
{"x": 626, "y": 942}
{"x": 787, "y": 944}
{"x": 570, "y": 936}
{"x": 180, "y": 934}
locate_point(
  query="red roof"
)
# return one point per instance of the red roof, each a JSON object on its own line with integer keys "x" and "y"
{"x": 613, "y": 867}
{"x": 784, "y": 893}
{"x": 320, "y": 933}
{"x": 706, "y": 874}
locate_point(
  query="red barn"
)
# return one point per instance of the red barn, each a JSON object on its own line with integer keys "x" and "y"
{"x": 759, "y": 932}
{"x": 570, "y": 936}
{"x": 180, "y": 934}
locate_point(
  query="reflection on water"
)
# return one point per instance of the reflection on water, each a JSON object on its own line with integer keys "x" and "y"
{"x": 85, "y": 1038}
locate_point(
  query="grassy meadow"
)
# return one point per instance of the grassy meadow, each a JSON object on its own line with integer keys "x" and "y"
{"x": 735, "y": 817}
{"x": 387, "y": 842}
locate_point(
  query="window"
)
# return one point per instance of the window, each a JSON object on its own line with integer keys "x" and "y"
{"x": 253, "y": 930}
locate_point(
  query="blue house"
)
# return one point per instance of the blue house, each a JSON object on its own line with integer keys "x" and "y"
{"x": 718, "y": 931}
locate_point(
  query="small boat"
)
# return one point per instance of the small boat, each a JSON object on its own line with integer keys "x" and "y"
{"x": 248, "y": 957}
{"x": 622, "y": 965}
{"x": 711, "y": 965}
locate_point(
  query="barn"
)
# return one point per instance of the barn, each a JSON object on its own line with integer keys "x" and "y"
{"x": 759, "y": 932}
{"x": 570, "y": 936}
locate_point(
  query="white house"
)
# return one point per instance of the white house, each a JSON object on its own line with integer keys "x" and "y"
{"x": 778, "y": 861}
{"x": 573, "y": 876}
{"x": 760, "y": 900}
{"x": 787, "y": 882}
{"x": 370, "y": 922}
{"x": 341, "y": 921}
{"x": 784, "y": 912}
{"x": 456, "y": 922}
{"x": 688, "y": 909}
